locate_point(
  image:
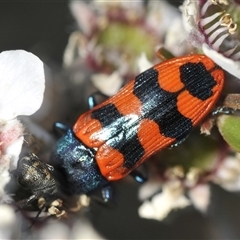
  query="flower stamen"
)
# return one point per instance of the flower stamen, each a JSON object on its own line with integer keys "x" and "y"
{"x": 225, "y": 20}
{"x": 213, "y": 27}
{"x": 220, "y": 40}
{"x": 216, "y": 2}
{"x": 205, "y": 7}
{"x": 232, "y": 28}
{"x": 209, "y": 19}
{"x": 218, "y": 26}
{"x": 236, "y": 56}
{"x": 216, "y": 33}
{"x": 229, "y": 52}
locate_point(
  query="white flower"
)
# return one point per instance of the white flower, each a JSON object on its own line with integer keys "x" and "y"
{"x": 9, "y": 224}
{"x": 143, "y": 63}
{"x": 107, "y": 84}
{"x": 113, "y": 34}
{"x": 228, "y": 174}
{"x": 171, "y": 197}
{"x": 212, "y": 26}
{"x": 80, "y": 229}
{"x": 22, "y": 85}
{"x": 174, "y": 186}
{"x": 200, "y": 197}
{"x": 228, "y": 64}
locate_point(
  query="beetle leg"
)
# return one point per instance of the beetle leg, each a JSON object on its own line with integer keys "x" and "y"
{"x": 60, "y": 127}
{"x": 107, "y": 193}
{"x": 92, "y": 102}
{"x": 26, "y": 202}
{"x": 29, "y": 200}
{"x": 223, "y": 110}
{"x": 179, "y": 141}
{"x": 33, "y": 221}
{"x": 50, "y": 167}
{"x": 138, "y": 176}
{"x": 38, "y": 214}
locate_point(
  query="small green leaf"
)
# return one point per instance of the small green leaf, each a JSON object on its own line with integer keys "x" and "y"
{"x": 229, "y": 127}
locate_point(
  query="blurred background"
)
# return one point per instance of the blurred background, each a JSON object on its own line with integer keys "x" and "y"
{"x": 43, "y": 28}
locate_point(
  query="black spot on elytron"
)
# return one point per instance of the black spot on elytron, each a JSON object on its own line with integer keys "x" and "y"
{"x": 106, "y": 115}
{"x": 174, "y": 125}
{"x": 161, "y": 106}
{"x": 120, "y": 133}
{"x": 197, "y": 80}
{"x": 128, "y": 144}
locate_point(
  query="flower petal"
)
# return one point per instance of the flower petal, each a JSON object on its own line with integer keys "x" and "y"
{"x": 190, "y": 17}
{"x": 170, "y": 198}
{"x": 160, "y": 16}
{"x": 5, "y": 178}
{"x": 200, "y": 197}
{"x": 190, "y": 14}
{"x": 143, "y": 63}
{"x": 84, "y": 16}
{"x": 107, "y": 84}
{"x": 9, "y": 223}
{"x": 228, "y": 175}
{"x": 231, "y": 66}
{"x": 22, "y": 83}
{"x": 13, "y": 152}
{"x": 148, "y": 189}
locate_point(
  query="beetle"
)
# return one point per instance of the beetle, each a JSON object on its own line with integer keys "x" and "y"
{"x": 36, "y": 176}
{"x": 156, "y": 110}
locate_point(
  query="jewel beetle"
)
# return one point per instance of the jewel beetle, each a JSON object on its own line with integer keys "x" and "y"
{"x": 156, "y": 110}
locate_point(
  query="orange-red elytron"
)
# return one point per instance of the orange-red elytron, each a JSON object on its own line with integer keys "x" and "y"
{"x": 155, "y": 110}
